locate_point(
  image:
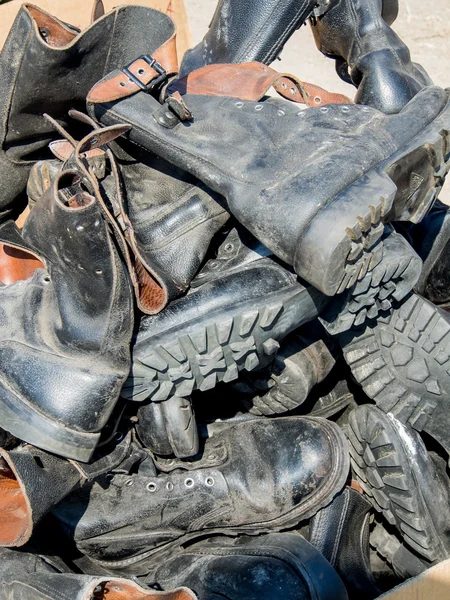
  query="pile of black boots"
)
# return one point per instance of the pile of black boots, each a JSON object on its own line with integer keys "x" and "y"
{"x": 225, "y": 356}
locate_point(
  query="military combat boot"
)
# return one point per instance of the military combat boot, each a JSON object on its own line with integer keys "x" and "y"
{"x": 278, "y": 565}
{"x": 402, "y": 362}
{"x": 65, "y": 332}
{"x": 405, "y": 482}
{"x": 32, "y": 576}
{"x": 324, "y": 214}
{"x": 245, "y": 31}
{"x": 240, "y": 306}
{"x": 32, "y": 482}
{"x": 243, "y": 482}
{"x": 368, "y": 52}
{"x": 49, "y": 66}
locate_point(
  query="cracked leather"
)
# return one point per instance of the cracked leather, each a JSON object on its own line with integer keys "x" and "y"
{"x": 378, "y": 62}
{"x": 258, "y": 487}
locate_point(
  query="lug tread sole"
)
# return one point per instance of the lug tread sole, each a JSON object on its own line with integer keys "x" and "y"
{"x": 381, "y": 467}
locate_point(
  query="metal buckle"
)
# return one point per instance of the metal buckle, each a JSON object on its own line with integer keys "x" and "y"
{"x": 154, "y": 64}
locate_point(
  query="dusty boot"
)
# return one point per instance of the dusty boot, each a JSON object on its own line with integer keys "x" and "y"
{"x": 403, "y": 363}
{"x": 279, "y": 565}
{"x": 63, "y": 370}
{"x": 240, "y": 305}
{"x": 28, "y": 575}
{"x": 48, "y": 66}
{"x": 431, "y": 240}
{"x": 405, "y": 482}
{"x": 32, "y": 482}
{"x": 341, "y": 533}
{"x": 244, "y": 482}
{"x": 368, "y": 52}
{"x": 285, "y": 384}
{"x": 324, "y": 214}
{"x": 245, "y": 31}
{"x": 165, "y": 217}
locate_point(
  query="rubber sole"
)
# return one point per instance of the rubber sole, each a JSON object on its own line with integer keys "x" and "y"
{"x": 397, "y": 474}
{"x": 305, "y": 509}
{"x": 216, "y": 347}
{"x": 391, "y": 280}
{"x": 403, "y": 364}
{"x": 25, "y": 423}
{"x": 401, "y": 188}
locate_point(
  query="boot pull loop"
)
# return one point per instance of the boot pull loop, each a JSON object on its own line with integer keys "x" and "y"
{"x": 60, "y": 129}
{"x": 98, "y": 10}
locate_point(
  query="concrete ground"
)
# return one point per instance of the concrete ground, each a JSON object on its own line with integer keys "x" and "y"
{"x": 426, "y": 33}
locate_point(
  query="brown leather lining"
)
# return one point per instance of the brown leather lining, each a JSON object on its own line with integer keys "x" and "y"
{"x": 98, "y": 10}
{"x": 16, "y": 265}
{"x": 152, "y": 296}
{"x": 252, "y": 81}
{"x": 120, "y": 590}
{"x": 120, "y": 86}
{"x": 52, "y": 30}
{"x": 15, "y": 517}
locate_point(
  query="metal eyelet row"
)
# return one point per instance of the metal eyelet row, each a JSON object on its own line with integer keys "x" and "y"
{"x": 188, "y": 482}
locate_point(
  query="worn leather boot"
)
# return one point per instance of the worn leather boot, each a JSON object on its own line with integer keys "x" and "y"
{"x": 324, "y": 215}
{"x": 63, "y": 370}
{"x": 27, "y": 575}
{"x": 243, "y": 482}
{"x": 245, "y": 31}
{"x": 278, "y": 565}
{"x": 341, "y": 533}
{"x": 49, "y": 66}
{"x": 368, "y": 52}
{"x": 403, "y": 363}
{"x": 405, "y": 482}
{"x": 32, "y": 482}
{"x": 240, "y": 306}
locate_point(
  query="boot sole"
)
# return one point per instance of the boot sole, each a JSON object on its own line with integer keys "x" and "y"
{"x": 401, "y": 188}
{"x": 217, "y": 346}
{"x": 24, "y": 422}
{"x": 382, "y": 462}
{"x": 333, "y": 484}
{"x": 403, "y": 364}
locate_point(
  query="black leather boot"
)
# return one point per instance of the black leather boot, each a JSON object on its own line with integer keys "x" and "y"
{"x": 244, "y": 31}
{"x": 324, "y": 215}
{"x": 403, "y": 363}
{"x": 368, "y": 52}
{"x": 402, "y": 480}
{"x": 267, "y": 567}
{"x": 29, "y": 576}
{"x": 341, "y": 533}
{"x": 66, "y": 331}
{"x": 244, "y": 482}
{"x": 240, "y": 306}
{"x": 49, "y": 66}
{"x": 32, "y": 482}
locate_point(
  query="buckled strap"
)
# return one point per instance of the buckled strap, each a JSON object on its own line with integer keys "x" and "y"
{"x": 142, "y": 74}
{"x": 252, "y": 81}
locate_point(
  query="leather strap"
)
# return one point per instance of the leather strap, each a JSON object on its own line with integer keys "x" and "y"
{"x": 252, "y": 81}
{"x": 138, "y": 76}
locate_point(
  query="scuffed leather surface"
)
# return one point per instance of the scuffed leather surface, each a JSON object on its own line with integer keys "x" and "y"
{"x": 257, "y": 485}
{"x": 65, "y": 332}
{"x": 379, "y": 62}
{"x": 244, "y": 30}
{"x": 294, "y": 164}
{"x": 264, "y": 568}
{"x": 38, "y": 78}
